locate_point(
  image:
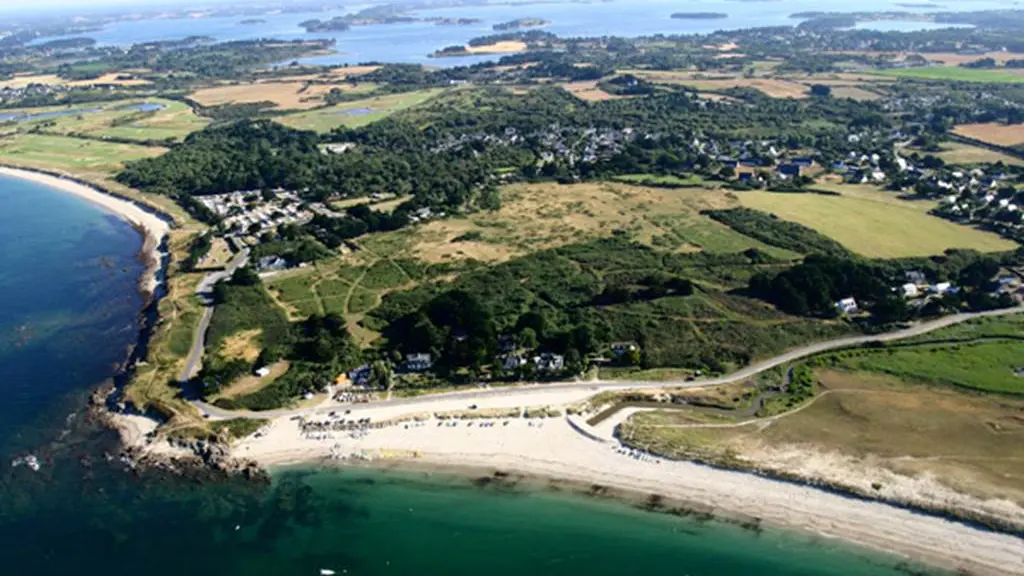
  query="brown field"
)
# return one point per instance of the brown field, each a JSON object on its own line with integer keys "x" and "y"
{"x": 776, "y": 88}
{"x": 993, "y": 133}
{"x": 588, "y": 91}
{"x": 53, "y": 79}
{"x": 950, "y": 59}
{"x": 506, "y": 47}
{"x": 864, "y": 429}
{"x": 346, "y": 71}
{"x": 218, "y": 256}
{"x": 286, "y": 95}
{"x": 534, "y": 217}
{"x": 244, "y": 345}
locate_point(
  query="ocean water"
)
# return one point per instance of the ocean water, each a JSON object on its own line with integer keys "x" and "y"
{"x": 415, "y": 41}
{"x": 68, "y": 309}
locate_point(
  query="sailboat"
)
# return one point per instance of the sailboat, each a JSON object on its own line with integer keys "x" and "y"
{"x": 326, "y": 572}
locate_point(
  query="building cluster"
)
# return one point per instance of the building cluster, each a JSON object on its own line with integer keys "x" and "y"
{"x": 247, "y": 214}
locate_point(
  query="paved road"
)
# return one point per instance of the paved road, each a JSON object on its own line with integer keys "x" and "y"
{"x": 597, "y": 386}
{"x": 205, "y": 292}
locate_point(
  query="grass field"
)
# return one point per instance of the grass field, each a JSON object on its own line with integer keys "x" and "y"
{"x": 356, "y": 113}
{"x": 985, "y": 366}
{"x": 956, "y": 153}
{"x": 83, "y": 158}
{"x": 53, "y": 79}
{"x": 872, "y": 228}
{"x": 533, "y": 217}
{"x": 174, "y": 120}
{"x": 864, "y": 427}
{"x": 993, "y": 133}
{"x": 285, "y": 95}
{"x": 956, "y": 73}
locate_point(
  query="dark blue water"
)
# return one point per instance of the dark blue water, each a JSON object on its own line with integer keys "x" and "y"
{"x": 69, "y": 306}
{"x": 68, "y": 309}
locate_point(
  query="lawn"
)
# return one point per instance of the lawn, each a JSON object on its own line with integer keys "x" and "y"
{"x": 985, "y": 366}
{"x": 84, "y": 158}
{"x": 874, "y": 229}
{"x": 356, "y": 113}
{"x": 955, "y": 73}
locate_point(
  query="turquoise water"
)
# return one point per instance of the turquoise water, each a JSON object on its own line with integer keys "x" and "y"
{"x": 68, "y": 310}
{"x": 413, "y": 42}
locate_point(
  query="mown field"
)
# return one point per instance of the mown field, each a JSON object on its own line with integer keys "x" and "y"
{"x": 83, "y": 158}
{"x": 874, "y": 229}
{"x": 356, "y": 113}
{"x": 956, "y": 73}
{"x": 956, "y": 153}
{"x": 993, "y": 133}
{"x": 174, "y": 120}
{"x": 859, "y": 424}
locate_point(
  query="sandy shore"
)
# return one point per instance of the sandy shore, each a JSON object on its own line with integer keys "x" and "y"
{"x": 153, "y": 229}
{"x": 558, "y": 449}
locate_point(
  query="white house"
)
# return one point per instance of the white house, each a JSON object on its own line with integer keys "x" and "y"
{"x": 847, "y": 306}
{"x": 941, "y": 288}
{"x": 910, "y": 290}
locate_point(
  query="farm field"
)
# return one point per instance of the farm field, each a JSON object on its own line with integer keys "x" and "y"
{"x": 854, "y": 93}
{"x": 956, "y": 153}
{"x": 993, "y": 133}
{"x": 956, "y": 73}
{"x": 83, "y": 158}
{"x": 588, "y": 91}
{"x": 776, "y": 88}
{"x": 54, "y": 80}
{"x": 874, "y": 229}
{"x": 356, "y": 113}
{"x": 299, "y": 95}
{"x": 859, "y": 431}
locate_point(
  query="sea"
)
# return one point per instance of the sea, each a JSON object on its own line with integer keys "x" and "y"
{"x": 70, "y": 308}
{"x": 413, "y": 42}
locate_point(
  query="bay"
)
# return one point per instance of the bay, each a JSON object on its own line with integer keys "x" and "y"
{"x": 69, "y": 308}
{"x": 413, "y": 42}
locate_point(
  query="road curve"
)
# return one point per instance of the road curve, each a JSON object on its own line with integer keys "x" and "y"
{"x": 598, "y": 386}
{"x": 204, "y": 290}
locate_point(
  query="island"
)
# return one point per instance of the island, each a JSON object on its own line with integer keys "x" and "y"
{"x": 440, "y": 21}
{"x": 337, "y": 24}
{"x": 699, "y": 16}
{"x": 252, "y": 21}
{"x": 502, "y": 47}
{"x": 521, "y": 24}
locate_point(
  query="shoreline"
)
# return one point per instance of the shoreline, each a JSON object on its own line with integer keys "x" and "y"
{"x": 554, "y": 451}
{"x": 153, "y": 229}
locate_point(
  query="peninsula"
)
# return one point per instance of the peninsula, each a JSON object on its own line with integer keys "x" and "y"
{"x": 521, "y": 24}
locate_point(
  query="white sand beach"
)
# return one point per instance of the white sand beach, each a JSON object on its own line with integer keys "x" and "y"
{"x": 555, "y": 448}
{"x": 151, "y": 226}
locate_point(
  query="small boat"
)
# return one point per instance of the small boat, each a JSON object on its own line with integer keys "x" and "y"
{"x": 326, "y": 572}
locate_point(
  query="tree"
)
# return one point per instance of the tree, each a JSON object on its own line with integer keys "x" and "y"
{"x": 528, "y": 338}
{"x": 245, "y": 276}
{"x": 821, "y": 90}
